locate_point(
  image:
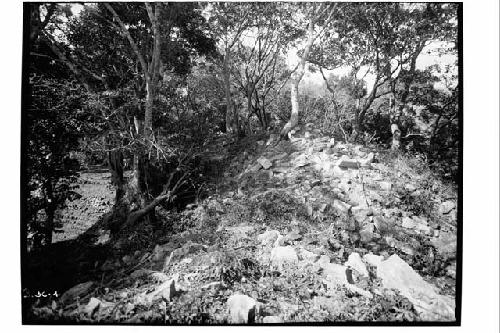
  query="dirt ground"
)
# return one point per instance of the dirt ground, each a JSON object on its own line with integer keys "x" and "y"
{"x": 79, "y": 215}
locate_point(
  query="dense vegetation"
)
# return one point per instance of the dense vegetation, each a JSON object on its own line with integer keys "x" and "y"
{"x": 184, "y": 162}
{"x": 145, "y": 87}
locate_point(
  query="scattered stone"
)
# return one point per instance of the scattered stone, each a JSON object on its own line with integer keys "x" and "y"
{"x": 451, "y": 270}
{"x": 307, "y": 255}
{"x": 160, "y": 251}
{"x": 416, "y": 223}
{"x": 309, "y": 209}
{"x": 337, "y": 275}
{"x": 341, "y": 206}
{"x": 323, "y": 207}
{"x": 361, "y": 214}
{"x": 103, "y": 238}
{"x": 179, "y": 253}
{"x": 186, "y": 261}
{"x": 91, "y": 306}
{"x": 373, "y": 259}
{"x": 445, "y": 244}
{"x": 268, "y": 237}
{"x": 337, "y": 171}
{"x": 354, "y": 261}
{"x": 331, "y": 304}
{"x": 301, "y": 161}
{"x": 446, "y": 207}
{"x": 408, "y": 223}
{"x": 140, "y": 273}
{"x": 126, "y": 259}
{"x": 282, "y": 255}
{"x": 165, "y": 291}
{"x": 396, "y": 274}
{"x": 367, "y": 233}
{"x": 265, "y": 163}
{"x": 260, "y": 143}
{"x": 381, "y": 224}
{"x": 347, "y": 163}
{"x": 241, "y": 309}
{"x": 404, "y": 247}
{"x": 385, "y": 186}
{"x": 76, "y": 291}
{"x": 216, "y": 284}
{"x": 272, "y": 320}
{"x": 254, "y": 168}
{"x": 280, "y": 241}
{"x": 423, "y": 228}
{"x": 159, "y": 276}
{"x": 293, "y": 236}
{"x": 330, "y": 143}
{"x": 240, "y": 231}
{"x": 365, "y": 162}
{"x": 410, "y": 187}
{"x": 278, "y": 157}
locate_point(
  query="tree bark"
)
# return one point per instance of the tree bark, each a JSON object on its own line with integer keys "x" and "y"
{"x": 231, "y": 116}
{"x": 137, "y": 195}
{"x": 49, "y": 225}
{"x": 295, "y": 81}
{"x": 396, "y": 133}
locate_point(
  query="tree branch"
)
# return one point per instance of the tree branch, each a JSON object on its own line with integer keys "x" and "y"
{"x": 127, "y": 34}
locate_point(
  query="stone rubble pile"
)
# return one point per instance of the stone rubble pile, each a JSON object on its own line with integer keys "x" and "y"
{"x": 329, "y": 179}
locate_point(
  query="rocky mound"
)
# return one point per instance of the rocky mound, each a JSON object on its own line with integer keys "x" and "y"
{"x": 299, "y": 231}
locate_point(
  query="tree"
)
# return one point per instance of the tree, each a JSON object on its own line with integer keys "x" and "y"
{"x": 158, "y": 39}
{"x": 314, "y": 15}
{"x": 259, "y": 63}
{"x": 54, "y": 121}
{"x": 384, "y": 41}
{"x": 228, "y": 21}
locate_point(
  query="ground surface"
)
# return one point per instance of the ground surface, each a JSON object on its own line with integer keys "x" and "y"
{"x": 304, "y": 230}
{"x": 80, "y": 214}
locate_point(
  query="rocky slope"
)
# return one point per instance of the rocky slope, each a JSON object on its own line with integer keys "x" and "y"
{"x": 305, "y": 230}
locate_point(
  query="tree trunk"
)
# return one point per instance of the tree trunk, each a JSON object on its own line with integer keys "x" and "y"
{"x": 249, "y": 100}
{"x": 148, "y": 112}
{"x": 396, "y": 137}
{"x": 115, "y": 163}
{"x": 296, "y": 78}
{"x": 49, "y": 224}
{"x": 294, "y": 116}
{"x": 50, "y": 211}
{"x": 231, "y": 117}
{"x": 396, "y": 133}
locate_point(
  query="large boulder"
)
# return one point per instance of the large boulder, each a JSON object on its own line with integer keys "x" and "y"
{"x": 396, "y": 274}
